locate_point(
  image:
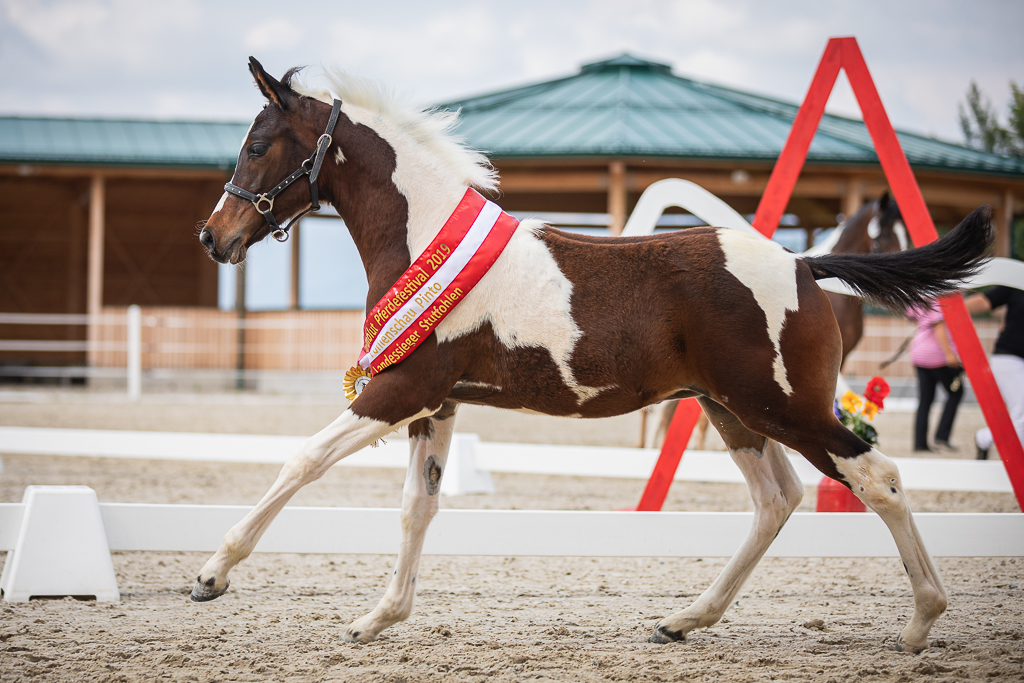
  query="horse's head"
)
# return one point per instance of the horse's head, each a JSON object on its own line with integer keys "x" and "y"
{"x": 888, "y": 233}
{"x": 281, "y": 140}
{"x": 854, "y": 234}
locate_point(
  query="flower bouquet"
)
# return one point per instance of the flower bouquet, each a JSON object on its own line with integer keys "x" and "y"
{"x": 855, "y": 412}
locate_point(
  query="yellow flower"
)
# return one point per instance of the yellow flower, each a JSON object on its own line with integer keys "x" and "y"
{"x": 870, "y": 410}
{"x": 850, "y": 402}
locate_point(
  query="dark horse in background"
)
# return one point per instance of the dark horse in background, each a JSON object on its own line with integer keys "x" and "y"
{"x": 877, "y": 228}
{"x": 577, "y": 327}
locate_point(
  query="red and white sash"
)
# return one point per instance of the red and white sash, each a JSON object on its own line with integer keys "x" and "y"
{"x": 465, "y": 249}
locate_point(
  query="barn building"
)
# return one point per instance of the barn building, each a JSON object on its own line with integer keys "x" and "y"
{"x": 100, "y": 214}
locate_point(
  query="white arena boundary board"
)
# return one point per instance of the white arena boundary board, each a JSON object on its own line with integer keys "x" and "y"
{"x": 183, "y": 528}
{"x": 932, "y": 474}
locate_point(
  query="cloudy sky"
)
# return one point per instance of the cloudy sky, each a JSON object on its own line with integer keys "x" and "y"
{"x": 187, "y": 58}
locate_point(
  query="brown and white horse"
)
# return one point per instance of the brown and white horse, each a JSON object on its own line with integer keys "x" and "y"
{"x": 578, "y": 327}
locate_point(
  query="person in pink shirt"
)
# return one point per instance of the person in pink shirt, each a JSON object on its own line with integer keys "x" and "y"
{"x": 934, "y": 357}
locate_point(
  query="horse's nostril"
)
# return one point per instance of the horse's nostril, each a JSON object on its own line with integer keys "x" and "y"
{"x": 207, "y": 239}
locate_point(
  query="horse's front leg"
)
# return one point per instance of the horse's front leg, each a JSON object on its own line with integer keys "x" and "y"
{"x": 346, "y": 435}
{"x": 429, "y": 440}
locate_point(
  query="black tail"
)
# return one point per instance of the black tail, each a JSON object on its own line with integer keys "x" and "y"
{"x": 903, "y": 279}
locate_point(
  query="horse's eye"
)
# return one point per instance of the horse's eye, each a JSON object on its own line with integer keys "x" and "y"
{"x": 258, "y": 149}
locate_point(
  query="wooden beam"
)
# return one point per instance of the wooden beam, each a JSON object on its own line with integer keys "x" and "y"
{"x": 94, "y": 282}
{"x": 43, "y": 170}
{"x": 1004, "y": 223}
{"x": 293, "y": 290}
{"x": 853, "y": 198}
{"x": 240, "y": 334}
{"x": 617, "y": 196}
{"x": 554, "y": 181}
{"x": 959, "y": 196}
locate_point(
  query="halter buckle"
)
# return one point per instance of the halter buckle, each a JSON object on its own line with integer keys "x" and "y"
{"x": 326, "y": 137}
{"x": 264, "y": 198}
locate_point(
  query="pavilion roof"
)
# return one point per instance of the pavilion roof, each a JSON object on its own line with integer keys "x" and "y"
{"x": 626, "y": 106}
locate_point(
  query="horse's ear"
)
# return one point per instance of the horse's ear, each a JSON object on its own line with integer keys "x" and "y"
{"x": 883, "y": 201}
{"x": 279, "y": 94}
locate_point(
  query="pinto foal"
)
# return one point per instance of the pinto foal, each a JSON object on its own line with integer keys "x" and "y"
{"x": 577, "y": 327}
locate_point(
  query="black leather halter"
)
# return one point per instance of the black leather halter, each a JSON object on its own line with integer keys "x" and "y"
{"x": 264, "y": 203}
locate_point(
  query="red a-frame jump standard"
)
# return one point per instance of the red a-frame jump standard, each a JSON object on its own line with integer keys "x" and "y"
{"x": 844, "y": 53}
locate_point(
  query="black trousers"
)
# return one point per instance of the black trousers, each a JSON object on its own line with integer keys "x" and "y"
{"x": 927, "y": 379}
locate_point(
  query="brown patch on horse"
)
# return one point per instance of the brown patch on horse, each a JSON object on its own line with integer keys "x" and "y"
{"x": 432, "y": 476}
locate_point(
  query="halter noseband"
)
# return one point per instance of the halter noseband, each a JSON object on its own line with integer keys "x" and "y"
{"x": 264, "y": 203}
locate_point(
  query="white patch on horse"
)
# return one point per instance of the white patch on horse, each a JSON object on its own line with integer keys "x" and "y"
{"x": 872, "y": 474}
{"x": 224, "y": 197}
{"x": 220, "y": 204}
{"x": 339, "y": 156}
{"x": 528, "y": 302}
{"x": 525, "y": 296}
{"x": 769, "y": 272}
{"x": 874, "y": 228}
{"x": 901, "y": 234}
{"x": 466, "y": 384}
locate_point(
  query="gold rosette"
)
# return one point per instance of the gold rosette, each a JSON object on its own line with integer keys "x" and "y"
{"x": 355, "y": 380}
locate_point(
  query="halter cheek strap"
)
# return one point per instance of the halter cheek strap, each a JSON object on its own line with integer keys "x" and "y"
{"x": 264, "y": 203}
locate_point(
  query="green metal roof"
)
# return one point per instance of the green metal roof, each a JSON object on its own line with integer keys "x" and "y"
{"x": 187, "y": 144}
{"x": 623, "y": 106}
{"x": 627, "y": 106}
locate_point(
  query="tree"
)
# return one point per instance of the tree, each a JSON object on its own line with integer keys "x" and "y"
{"x": 980, "y": 122}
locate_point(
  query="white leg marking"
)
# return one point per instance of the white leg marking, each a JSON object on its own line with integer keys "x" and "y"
{"x": 776, "y": 491}
{"x": 420, "y": 495}
{"x": 876, "y": 481}
{"x": 346, "y": 435}
{"x": 769, "y": 272}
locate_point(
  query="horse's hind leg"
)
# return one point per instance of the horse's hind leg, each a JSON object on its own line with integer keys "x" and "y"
{"x": 776, "y": 491}
{"x": 429, "y": 440}
{"x": 874, "y": 479}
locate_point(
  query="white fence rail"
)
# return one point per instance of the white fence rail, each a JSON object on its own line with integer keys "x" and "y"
{"x": 59, "y": 539}
{"x": 186, "y": 528}
{"x": 468, "y": 452}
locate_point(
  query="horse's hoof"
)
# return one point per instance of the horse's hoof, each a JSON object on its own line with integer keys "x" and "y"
{"x": 904, "y": 647}
{"x": 663, "y": 636}
{"x": 357, "y": 637}
{"x": 204, "y": 591}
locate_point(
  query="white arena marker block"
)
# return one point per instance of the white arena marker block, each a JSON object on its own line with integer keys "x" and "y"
{"x": 61, "y": 548}
{"x": 461, "y": 476}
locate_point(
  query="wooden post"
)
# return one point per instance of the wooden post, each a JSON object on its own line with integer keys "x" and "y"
{"x": 75, "y": 299}
{"x": 240, "y": 317}
{"x": 853, "y": 198}
{"x": 617, "y": 196}
{"x": 293, "y": 294}
{"x": 94, "y": 285}
{"x": 1004, "y": 223}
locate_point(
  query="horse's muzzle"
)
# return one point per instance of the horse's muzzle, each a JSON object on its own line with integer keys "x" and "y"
{"x": 232, "y": 252}
{"x": 207, "y": 239}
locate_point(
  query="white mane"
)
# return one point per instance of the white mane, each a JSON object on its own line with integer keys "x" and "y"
{"x": 428, "y": 128}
